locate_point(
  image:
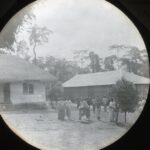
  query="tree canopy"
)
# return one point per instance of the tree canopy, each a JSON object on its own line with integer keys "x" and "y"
{"x": 13, "y": 27}
{"x": 38, "y": 36}
{"x": 125, "y": 95}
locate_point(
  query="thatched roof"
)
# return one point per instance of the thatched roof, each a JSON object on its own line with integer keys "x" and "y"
{"x": 104, "y": 78}
{"x": 13, "y": 68}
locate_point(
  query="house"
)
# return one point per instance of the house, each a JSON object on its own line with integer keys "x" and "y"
{"x": 21, "y": 82}
{"x": 100, "y": 84}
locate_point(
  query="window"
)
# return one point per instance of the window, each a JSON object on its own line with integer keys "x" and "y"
{"x": 28, "y": 88}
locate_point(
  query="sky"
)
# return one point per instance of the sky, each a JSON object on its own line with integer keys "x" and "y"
{"x": 92, "y": 25}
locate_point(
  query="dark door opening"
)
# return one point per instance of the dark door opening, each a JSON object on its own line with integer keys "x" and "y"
{"x": 90, "y": 92}
{"x": 6, "y": 90}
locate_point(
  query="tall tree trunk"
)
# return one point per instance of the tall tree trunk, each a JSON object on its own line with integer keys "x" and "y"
{"x": 34, "y": 53}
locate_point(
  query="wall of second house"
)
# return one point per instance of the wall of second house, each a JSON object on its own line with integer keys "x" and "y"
{"x": 18, "y": 97}
{"x": 101, "y": 91}
{"x": 93, "y": 91}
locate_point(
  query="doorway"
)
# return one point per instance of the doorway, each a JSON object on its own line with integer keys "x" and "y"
{"x": 6, "y": 91}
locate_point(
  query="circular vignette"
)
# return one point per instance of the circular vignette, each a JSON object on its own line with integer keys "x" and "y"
{"x": 107, "y": 6}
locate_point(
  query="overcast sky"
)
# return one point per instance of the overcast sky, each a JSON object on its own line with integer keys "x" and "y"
{"x": 84, "y": 24}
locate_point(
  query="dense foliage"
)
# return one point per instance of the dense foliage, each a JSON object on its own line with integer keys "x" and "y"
{"x": 126, "y": 96}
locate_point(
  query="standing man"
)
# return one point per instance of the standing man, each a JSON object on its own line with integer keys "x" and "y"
{"x": 84, "y": 110}
{"x": 89, "y": 101}
{"x": 116, "y": 111}
{"x": 78, "y": 102}
{"x": 98, "y": 108}
{"x": 112, "y": 106}
{"x": 68, "y": 109}
{"x": 105, "y": 103}
{"x": 61, "y": 110}
{"x": 94, "y": 104}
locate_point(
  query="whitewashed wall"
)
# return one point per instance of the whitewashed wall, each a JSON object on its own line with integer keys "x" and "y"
{"x": 17, "y": 96}
{"x": 1, "y": 94}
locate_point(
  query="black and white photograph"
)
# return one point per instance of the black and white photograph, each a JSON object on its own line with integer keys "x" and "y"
{"x": 74, "y": 74}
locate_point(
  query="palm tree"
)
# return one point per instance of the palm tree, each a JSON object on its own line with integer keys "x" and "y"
{"x": 38, "y": 36}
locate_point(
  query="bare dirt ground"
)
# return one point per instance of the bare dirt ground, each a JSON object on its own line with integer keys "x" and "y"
{"x": 45, "y": 131}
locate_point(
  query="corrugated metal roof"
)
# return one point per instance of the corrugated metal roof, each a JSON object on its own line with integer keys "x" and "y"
{"x": 13, "y": 68}
{"x": 104, "y": 78}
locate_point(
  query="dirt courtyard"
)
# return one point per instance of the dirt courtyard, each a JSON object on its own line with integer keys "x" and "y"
{"x": 45, "y": 131}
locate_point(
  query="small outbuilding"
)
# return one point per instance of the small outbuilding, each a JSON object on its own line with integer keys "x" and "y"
{"x": 22, "y": 82}
{"x": 100, "y": 84}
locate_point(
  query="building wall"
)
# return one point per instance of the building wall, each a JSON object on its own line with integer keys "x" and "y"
{"x": 100, "y": 91}
{"x": 75, "y": 92}
{"x": 78, "y": 92}
{"x": 17, "y": 96}
{"x": 1, "y": 94}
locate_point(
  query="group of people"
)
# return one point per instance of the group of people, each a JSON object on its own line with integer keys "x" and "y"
{"x": 141, "y": 104}
{"x": 97, "y": 103}
{"x": 113, "y": 110}
{"x": 64, "y": 109}
{"x": 84, "y": 108}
